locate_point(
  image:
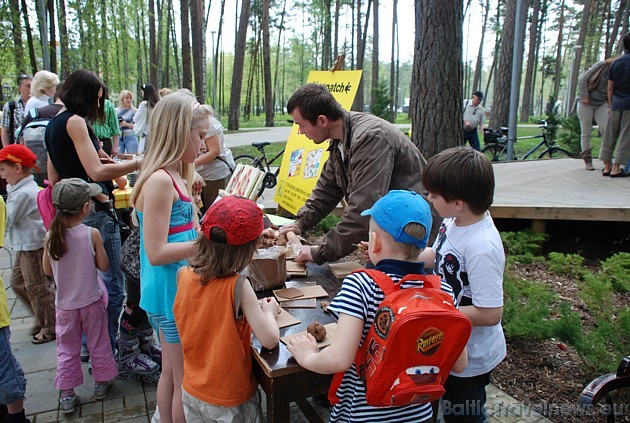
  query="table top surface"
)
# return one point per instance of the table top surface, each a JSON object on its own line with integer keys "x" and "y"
{"x": 279, "y": 361}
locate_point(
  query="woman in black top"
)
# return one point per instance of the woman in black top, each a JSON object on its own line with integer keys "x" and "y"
{"x": 74, "y": 152}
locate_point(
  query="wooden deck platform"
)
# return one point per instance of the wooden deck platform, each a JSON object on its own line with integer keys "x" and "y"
{"x": 558, "y": 189}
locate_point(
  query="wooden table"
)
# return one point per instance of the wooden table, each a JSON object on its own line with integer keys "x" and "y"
{"x": 282, "y": 379}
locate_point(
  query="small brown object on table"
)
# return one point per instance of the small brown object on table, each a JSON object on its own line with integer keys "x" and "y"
{"x": 317, "y": 330}
{"x": 283, "y": 380}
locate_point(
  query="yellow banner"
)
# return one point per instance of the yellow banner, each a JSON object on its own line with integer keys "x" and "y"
{"x": 303, "y": 160}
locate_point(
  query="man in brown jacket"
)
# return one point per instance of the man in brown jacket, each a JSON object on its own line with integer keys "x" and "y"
{"x": 368, "y": 157}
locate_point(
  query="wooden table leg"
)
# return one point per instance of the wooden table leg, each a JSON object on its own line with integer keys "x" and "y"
{"x": 309, "y": 411}
{"x": 277, "y": 403}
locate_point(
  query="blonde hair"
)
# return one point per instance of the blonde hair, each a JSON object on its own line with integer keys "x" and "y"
{"x": 122, "y": 95}
{"x": 410, "y": 251}
{"x": 42, "y": 81}
{"x": 172, "y": 119}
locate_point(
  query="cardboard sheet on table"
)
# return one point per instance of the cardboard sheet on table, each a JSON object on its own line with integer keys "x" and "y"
{"x": 299, "y": 303}
{"x": 294, "y": 269}
{"x": 341, "y": 270}
{"x": 285, "y": 319}
{"x": 330, "y": 333}
{"x": 308, "y": 291}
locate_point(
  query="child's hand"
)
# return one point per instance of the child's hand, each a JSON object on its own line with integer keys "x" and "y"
{"x": 363, "y": 247}
{"x": 270, "y": 305}
{"x": 302, "y": 346}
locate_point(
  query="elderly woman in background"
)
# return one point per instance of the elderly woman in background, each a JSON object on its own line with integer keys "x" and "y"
{"x": 125, "y": 111}
{"x": 593, "y": 104}
{"x": 43, "y": 87}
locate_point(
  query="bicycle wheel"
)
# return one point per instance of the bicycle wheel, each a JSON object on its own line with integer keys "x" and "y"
{"x": 495, "y": 152}
{"x": 554, "y": 152}
{"x": 248, "y": 160}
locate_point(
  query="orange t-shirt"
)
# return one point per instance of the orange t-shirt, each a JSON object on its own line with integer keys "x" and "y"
{"x": 217, "y": 357}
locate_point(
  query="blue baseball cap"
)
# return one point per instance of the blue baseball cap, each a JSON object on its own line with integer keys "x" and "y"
{"x": 398, "y": 208}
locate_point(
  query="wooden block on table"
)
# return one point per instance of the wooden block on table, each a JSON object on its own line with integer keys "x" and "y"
{"x": 285, "y": 319}
{"x": 308, "y": 291}
{"x": 341, "y": 270}
{"x": 294, "y": 269}
{"x": 307, "y": 303}
{"x": 330, "y": 333}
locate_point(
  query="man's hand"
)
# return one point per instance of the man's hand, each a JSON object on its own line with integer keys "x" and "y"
{"x": 305, "y": 256}
{"x": 291, "y": 227}
{"x": 586, "y": 100}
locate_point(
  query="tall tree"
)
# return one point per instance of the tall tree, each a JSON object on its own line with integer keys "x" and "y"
{"x": 239, "y": 62}
{"x": 575, "y": 67}
{"x": 375, "y": 63}
{"x": 16, "y": 31}
{"x": 619, "y": 15}
{"x": 269, "y": 106}
{"x": 437, "y": 76}
{"x": 558, "y": 63}
{"x": 392, "y": 65}
{"x": 479, "y": 66}
{"x": 531, "y": 61}
{"x": 29, "y": 37}
{"x": 186, "y": 53}
{"x": 362, "y": 41}
{"x": 52, "y": 44}
{"x": 63, "y": 39}
{"x": 196, "y": 20}
{"x": 503, "y": 79}
{"x": 153, "y": 63}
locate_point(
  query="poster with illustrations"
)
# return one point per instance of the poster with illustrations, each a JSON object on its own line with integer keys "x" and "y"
{"x": 303, "y": 160}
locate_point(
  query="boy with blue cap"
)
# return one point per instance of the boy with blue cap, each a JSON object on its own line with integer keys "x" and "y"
{"x": 400, "y": 224}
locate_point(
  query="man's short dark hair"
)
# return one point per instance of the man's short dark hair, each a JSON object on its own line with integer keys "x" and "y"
{"x": 626, "y": 42}
{"x": 23, "y": 77}
{"x": 313, "y": 100}
{"x": 461, "y": 173}
{"x": 478, "y": 94}
{"x": 79, "y": 93}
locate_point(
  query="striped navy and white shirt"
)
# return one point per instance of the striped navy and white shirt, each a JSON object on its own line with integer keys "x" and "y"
{"x": 360, "y": 297}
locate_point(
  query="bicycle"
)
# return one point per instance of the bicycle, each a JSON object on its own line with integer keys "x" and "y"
{"x": 496, "y": 145}
{"x": 263, "y": 163}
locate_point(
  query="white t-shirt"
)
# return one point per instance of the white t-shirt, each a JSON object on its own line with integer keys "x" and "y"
{"x": 217, "y": 169}
{"x": 471, "y": 260}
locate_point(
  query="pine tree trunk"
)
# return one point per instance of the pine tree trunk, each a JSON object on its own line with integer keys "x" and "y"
{"x": 16, "y": 32}
{"x": 575, "y": 68}
{"x": 362, "y": 41}
{"x": 558, "y": 71}
{"x": 159, "y": 39}
{"x": 52, "y": 42}
{"x": 196, "y": 20}
{"x": 503, "y": 79}
{"x": 153, "y": 64}
{"x": 29, "y": 38}
{"x": 479, "y": 65}
{"x": 63, "y": 39}
{"x": 374, "y": 55}
{"x": 392, "y": 65}
{"x": 186, "y": 53}
{"x": 269, "y": 106}
{"x": 437, "y": 76}
{"x": 239, "y": 61}
{"x": 277, "y": 68}
{"x": 531, "y": 62}
{"x": 614, "y": 43}
{"x": 336, "y": 29}
{"x": 174, "y": 45}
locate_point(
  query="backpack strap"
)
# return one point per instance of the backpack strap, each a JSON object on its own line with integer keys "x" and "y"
{"x": 11, "y": 121}
{"x": 382, "y": 280}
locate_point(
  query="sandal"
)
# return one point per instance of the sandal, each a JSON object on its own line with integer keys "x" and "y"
{"x": 604, "y": 173}
{"x": 621, "y": 174}
{"x": 42, "y": 338}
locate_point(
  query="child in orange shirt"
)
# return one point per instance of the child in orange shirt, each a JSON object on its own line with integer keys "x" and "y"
{"x": 214, "y": 302}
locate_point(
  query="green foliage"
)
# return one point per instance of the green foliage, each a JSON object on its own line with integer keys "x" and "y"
{"x": 325, "y": 225}
{"x": 522, "y": 246}
{"x": 566, "y": 264}
{"x": 569, "y": 137}
{"x": 596, "y": 292}
{"x": 617, "y": 270}
{"x": 526, "y": 309}
{"x": 381, "y": 107}
{"x": 568, "y": 326}
{"x": 603, "y": 346}
{"x": 553, "y": 120}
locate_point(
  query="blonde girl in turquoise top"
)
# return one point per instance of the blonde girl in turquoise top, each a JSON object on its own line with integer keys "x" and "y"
{"x": 161, "y": 197}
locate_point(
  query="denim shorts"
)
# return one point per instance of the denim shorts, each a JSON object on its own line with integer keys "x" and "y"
{"x": 198, "y": 411}
{"x": 168, "y": 328}
{"x": 12, "y": 380}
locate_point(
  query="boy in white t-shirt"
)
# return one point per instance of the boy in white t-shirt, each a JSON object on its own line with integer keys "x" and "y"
{"x": 469, "y": 256}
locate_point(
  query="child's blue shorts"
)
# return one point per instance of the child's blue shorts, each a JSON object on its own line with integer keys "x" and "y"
{"x": 12, "y": 380}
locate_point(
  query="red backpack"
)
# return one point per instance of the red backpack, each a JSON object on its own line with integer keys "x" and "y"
{"x": 415, "y": 339}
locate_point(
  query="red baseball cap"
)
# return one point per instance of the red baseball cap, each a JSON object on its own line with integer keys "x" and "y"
{"x": 18, "y": 153}
{"x": 240, "y": 218}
